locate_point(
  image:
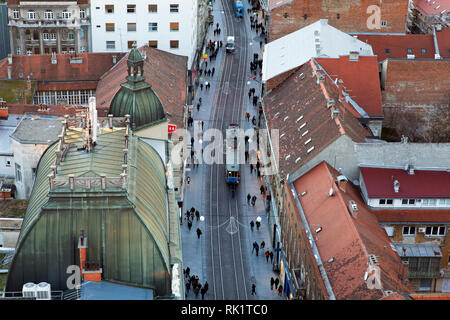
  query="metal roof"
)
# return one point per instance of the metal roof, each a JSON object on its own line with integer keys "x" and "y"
{"x": 418, "y": 250}
{"x": 39, "y": 131}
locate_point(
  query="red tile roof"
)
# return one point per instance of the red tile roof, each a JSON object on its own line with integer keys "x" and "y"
{"x": 67, "y": 85}
{"x": 398, "y": 45}
{"x": 60, "y": 110}
{"x": 430, "y": 296}
{"x": 349, "y": 241}
{"x": 40, "y": 68}
{"x": 443, "y": 40}
{"x": 432, "y": 7}
{"x": 430, "y": 215}
{"x": 283, "y": 101}
{"x": 379, "y": 183}
{"x": 166, "y": 72}
{"x": 393, "y": 296}
{"x": 360, "y": 79}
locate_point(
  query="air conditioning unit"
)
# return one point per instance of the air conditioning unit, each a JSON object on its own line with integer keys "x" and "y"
{"x": 43, "y": 291}
{"x": 422, "y": 230}
{"x": 29, "y": 290}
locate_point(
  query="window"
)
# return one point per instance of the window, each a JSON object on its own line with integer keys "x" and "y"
{"x": 174, "y": 8}
{"x": 441, "y": 201}
{"x": 338, "y": 16}
{"x": 81, "y": 33}
{"x": 384, "y": 23}
{"x": 45, "y": 36}
{"x": 409, "y": 231}
{"x": 71, "y": 36}
{"x": 436, "y": 231}
{"x": 424, "y": 50}
{"x": 425, "y": 284}
{"x": 388, "y": 50}
{"x": 131, "y": 8}
{"x": 382, "y": 201}
{"x": 174, "y": 44}
{"x": 109, "y": 8}
{"x": 428, "y": 202}
{"x": 66, "y": 14}
{"x": 411, "y": 201}
{"x": 110, "y": 44}
{"x": 409, "y": 51}
{"x": 19, "y": 50}
{"x": 153, "y": 44}
{"x": 174, "y": 26}
{"x": 8, "y": 163}
{"x": 131, "y": 26}
{"x": 48, "y": 14}
{"x": 130, "y": 44}
{"x": 18, "y": 173}
{"x": 404, "y": 201}
{"x": 152, "y": 8}
{"x": 82, "y": 14}
{"x": 389, "y": 201}
{"x": 52, "y": 36}
{"x": 16, "y": 14}
{"x": 31, "y": 15}
{"x": 109, "y": 27}
{"x": 153, "y": 26}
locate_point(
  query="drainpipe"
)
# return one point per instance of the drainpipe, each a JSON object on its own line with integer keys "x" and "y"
{"x": 436, "y": 47}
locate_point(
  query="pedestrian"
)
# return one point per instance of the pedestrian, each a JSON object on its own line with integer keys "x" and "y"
{"x": 187, "y": 215}
{"x": 258, "y": 172}
{"x": 202, "y": 126}
{"x": 254, "y": 120}
{"x": 267, "y": 256}
{"x": 212, "y": 71}
{"x": 188, "y": 270}
{"x": 192, "y": 209}
{"x": 188, "y": 180}
{"x": 251, "y": 166}
{"x": 248, "y": 198}
{"x": 277, "y": 281}
{"x": 263, "y": 244}
{"x": 206, "y": 64}
{"x": 257, "y": 249}
{"x": 255, "y": 99}
{"x": 188, "y": 286}
{"x": 261, "y": 189}
{"x": 260, "y": 44}
{"x": 206, "y": 286}
{"x": 202, "y": 291}
{"x": 199, "y": 232}
{"x": 201, "y": 86}
{"x": 200, "y": 100}
{"x": 219, "y": 31}
{"x": 271, "y": 256}
{"x": 217, "y": 25}
{"x": 209, "y": 72}
{"x": 198, "y": 106}
{"x": 254, "y": 201}
{"x": 192, "y": 216}
{"x": 258, "y": 224}
{"x": 196, "y": 290}
{"x": 252, "y": 224}
{"x": 189, "y": 225}
{"x": 221, "y": 43}
{"x": 254, "y": 246}
{"x": 249, "y": 93}
{"x": 280, "y": 290}
{"x": 247, "y": 116}
{"x": 253, "y": 289}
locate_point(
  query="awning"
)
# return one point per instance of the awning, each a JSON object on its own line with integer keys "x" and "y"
{"x": 418, "y": 250}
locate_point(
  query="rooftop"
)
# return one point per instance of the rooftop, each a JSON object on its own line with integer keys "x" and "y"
{"x": 360, "y": 79}
{"x": 315, "y": 40}
{"x": 443, "y": 40}
{"x": 379, "y": 183}
{"x": 305, "y": 125}
{"x": 397, "y": 46}
{"x": 38, "y": 131}
{"x": 413, "y": 215}
{"x": 166, "y": 72}
{"x": 111, "y": 291}
{"x": 433, "y": 7}
{"x": 356, "y": 244}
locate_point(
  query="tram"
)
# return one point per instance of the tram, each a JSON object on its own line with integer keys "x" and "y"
{"x": 239, "y": 8}
{"x": 232, "y": 156}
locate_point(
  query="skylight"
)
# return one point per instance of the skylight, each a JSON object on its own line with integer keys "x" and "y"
{"x": 308, "y": 141}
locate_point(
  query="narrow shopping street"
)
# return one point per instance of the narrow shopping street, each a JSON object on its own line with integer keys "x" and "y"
{"x": 223, "y": 255}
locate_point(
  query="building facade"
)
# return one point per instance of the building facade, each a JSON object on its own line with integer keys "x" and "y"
{"x": 37, "y": 27}
{"x": 4, "y": 34}
{"x": 169, "y": 26}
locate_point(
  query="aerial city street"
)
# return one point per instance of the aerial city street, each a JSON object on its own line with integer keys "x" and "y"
{"x": 224, "y": 150}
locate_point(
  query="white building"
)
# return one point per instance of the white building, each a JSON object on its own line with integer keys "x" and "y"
{"x": 167, "y": 25}
{"x": 316, "y": 40}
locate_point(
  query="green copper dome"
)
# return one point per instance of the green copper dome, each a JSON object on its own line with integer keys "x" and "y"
{"x": 136, "y": 97}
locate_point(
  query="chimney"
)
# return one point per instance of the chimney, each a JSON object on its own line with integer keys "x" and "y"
{"x": 114, "y": 59}
{"x": 354, "y": 56}
{"x": 330, "y": 103}
{"x": 10, "y": 59}
{"x": 335, "y": 112}
{"x": 9, "y": 72}
{"x": 396, "y": 186}
{"x": 405, "y": 266}
{"x": 342, "y": 183}
{"x": 410, "y": 169}
{"x": 353, "y": 208}
{"x": 54, "y": 59}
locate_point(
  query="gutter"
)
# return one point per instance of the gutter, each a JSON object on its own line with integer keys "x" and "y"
{"x": 312, "y": 242}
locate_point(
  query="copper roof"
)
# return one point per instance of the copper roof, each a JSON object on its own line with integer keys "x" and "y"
{"x": 299, "y": 100}
{"x": 347, "y": 240}
{"x": 166, "y": 72}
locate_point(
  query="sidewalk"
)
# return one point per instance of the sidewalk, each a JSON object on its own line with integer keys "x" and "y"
{"x": 194, "y": 250}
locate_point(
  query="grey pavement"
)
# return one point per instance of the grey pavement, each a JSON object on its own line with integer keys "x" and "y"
{"x": 194, "y": 249}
